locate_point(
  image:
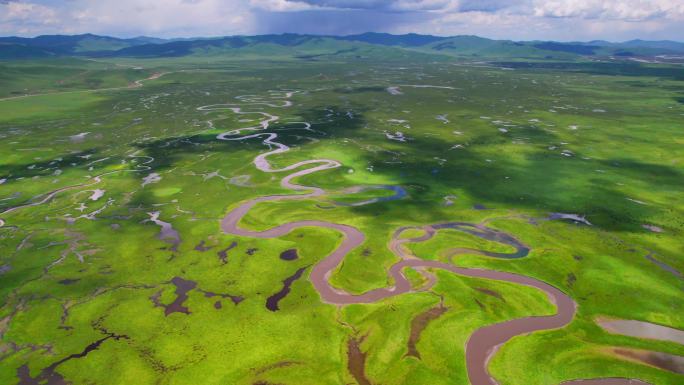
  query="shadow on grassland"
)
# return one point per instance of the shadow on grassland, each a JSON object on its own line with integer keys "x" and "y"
{"x": 47, "y": 167}
{"x": 542, "y": 180}
{"x": 603, "y": 68}
{"x": 326, "y": 123}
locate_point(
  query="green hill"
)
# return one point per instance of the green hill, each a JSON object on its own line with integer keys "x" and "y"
{"x": 310, "y": 47}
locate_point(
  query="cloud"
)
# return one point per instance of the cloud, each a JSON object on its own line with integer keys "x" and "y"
{"x": 512, "y": 19}
{"x": 328, "y": 22}
{"x": 24, "y": 12}
{"x": 382, "y": 5}
{"x": 487, "y": 5}
{"x": 628, "y": 10}
{"x": 282, "y": 5}
{"x": 126, "y": 17}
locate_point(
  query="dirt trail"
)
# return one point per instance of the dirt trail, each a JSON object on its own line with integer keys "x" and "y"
{"x": 135, "y": 84}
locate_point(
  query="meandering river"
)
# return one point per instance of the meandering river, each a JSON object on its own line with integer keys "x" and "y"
{"x": 484, "y": 342}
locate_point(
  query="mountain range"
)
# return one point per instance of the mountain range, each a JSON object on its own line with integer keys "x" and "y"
{"x": 313, "y": 46}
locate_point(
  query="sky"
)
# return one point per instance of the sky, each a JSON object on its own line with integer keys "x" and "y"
{"x": 564, "y": 20}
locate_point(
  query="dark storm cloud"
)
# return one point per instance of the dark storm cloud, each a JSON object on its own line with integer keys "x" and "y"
{"x": 328, "y": 22}
{"x": 419, "y": 5}
{"x": 382, "y": 5}
{"x": 488, "y": 5}
{"x": 508, "y": 19}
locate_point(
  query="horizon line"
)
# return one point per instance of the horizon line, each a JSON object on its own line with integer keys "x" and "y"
{"x": 331, "y": 36}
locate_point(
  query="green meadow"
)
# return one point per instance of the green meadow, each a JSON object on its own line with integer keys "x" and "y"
{"x": 88, "y": 281}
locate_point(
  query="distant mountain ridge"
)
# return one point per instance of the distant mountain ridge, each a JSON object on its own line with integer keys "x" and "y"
{"x": 407, "y": 40}
{"x": 91, "y": 45}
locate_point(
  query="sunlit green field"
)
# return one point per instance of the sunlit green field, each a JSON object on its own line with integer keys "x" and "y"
{"x": 85, "y": 279}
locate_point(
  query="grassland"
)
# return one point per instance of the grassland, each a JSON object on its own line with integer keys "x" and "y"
{"x": 87, "y": 281}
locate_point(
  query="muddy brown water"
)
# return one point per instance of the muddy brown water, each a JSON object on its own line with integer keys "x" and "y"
{"x": 201, "y": 247}
{"x": 272, "y": 301}
{"x": 481, "y": 345}
{"x": 418, "y": 324}
{"x": 641, "y": 329}
{"x": 665, "y": 266}
{"x": 167, "y": 233}
{"x": 490, "y": 292}
{"x": 49, "y": 374}
{"x": 183, "y": 286}
{"x": 665, "y": 361}
{"x": 44, "y": 377}
{"x": 46, "y": 197}
{"x": 356, "y": 360}
{"x": 489, "y": 234}
{"x": 399, "y": 193}
{"x": 289, "y": 255}
{"x": 276, "y": 365}
{"x": 223, "y": 254}
{"x": 576, "y": 218}
{"x": 236, "y": 299}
